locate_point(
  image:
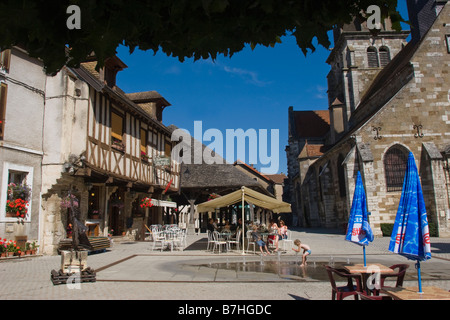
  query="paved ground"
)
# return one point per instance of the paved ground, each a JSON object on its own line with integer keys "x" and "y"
{"x": 131, "y": 270}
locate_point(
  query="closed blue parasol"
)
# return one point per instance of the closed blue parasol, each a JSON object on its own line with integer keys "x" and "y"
{"x": 358, "y": 230}
{"x": 410, "y": 235}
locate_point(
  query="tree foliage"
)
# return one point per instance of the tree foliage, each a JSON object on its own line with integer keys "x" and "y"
{"x": 196, "y": 29}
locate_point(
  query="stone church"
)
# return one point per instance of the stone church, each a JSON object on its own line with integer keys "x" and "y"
{"x": 386, "y": 97}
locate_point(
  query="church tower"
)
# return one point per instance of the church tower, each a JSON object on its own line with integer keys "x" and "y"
{"x": 357, "y": 57}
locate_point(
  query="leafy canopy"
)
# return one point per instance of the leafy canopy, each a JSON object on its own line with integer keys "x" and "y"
{"x": 198, "y": 29}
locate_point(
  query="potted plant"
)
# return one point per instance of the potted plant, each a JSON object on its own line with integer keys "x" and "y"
{"x": 3, "y": 246}
{"x": 11, "y": 248}
{"x": 34, "y": 247}
{"x": 144, "y": 156}
{"x": 95, "y": 214}
{"x": 19, "y": 252}
{"x": 27, "y": 248}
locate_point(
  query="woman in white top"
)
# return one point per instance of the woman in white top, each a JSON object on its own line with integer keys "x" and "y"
{"x": 282, "y": 231}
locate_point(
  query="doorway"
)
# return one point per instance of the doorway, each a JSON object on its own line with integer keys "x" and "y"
{"x": 116, "y": 213}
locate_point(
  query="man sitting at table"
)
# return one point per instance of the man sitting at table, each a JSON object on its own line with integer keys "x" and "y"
{"x": 258, "y": 239}
{"x": 211, "y": 226}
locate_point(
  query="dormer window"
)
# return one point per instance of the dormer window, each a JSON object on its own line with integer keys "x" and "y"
{"x": 112, "y": 67}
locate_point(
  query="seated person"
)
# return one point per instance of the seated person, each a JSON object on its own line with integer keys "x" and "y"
{"x": 258, "y": 239}
{"x": 226, "y": 227}
{"x": 210, "y": 225}
{"x": 274, "y": 233}
{"x": 282, "y": 231}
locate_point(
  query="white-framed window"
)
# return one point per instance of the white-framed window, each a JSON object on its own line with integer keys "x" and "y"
{"x": 18, "y": 174}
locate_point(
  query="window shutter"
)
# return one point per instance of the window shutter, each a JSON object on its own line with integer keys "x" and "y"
{"x": 143, "y": 140}
{"x": 372, "y": 57}
{"x": 385, "y": 57}
{"x": 3, "y": 92}
{"x": 116, "y": 126}
{"x": 5, "y": 58}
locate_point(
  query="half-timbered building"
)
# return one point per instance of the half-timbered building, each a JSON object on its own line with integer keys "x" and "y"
{"x": 110, "y": 150}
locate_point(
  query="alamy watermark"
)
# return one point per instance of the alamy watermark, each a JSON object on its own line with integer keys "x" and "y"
{"x": 74, "y": 20}
{"x": 191, "y": 151}
{"x": 374, "y": 20}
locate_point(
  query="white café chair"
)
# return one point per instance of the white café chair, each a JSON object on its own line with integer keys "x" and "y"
{"x": 179, "y": 239}
{"x": 218, "y": 242}
{"x": 159, "y": 237}
{"x": 250, "y": 241}
{"x": 287, "y": 241}
{"x": 235, "y": 241}
{"x": 210, "y": 241}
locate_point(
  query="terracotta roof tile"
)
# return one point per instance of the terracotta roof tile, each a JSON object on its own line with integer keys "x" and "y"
{"x": 311, "y": 123}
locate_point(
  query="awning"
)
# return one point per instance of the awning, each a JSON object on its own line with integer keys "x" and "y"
{"x": 162, "y": 203}
{"x": 247, "y": 195}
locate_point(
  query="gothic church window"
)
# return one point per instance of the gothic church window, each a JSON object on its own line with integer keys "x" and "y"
{"x": 372, "y": 57}
{"x": 341, "y": 176}
{"x": 385, "y": 56}
{"x": 395, "y": 162}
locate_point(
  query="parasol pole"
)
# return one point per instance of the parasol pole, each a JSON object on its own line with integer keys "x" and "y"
{"x": 418, "y": 276}
{"x": 243, "y": 221}
{"x": 364, "y": 253}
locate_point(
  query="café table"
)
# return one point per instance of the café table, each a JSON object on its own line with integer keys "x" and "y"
{"x": 225, "y": 235}
{"x": 411, "y": 293}
{"x": 367, "y": 271}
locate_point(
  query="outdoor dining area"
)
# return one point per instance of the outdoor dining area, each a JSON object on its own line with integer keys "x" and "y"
{"x": 410, "y": 238}
{"x": 378, "y": 282}
{"x": 169, "y": 236}
{"x": 220, "y": 241}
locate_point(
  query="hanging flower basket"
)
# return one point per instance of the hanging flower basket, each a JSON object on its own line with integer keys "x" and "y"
{"x": 146, "y": 203}
{"x": 213, "y": 196}
{"x": 66, "y": 201}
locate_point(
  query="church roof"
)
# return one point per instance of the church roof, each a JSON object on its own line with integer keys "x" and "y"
{"x": 311, "y": 151}
{"x": 277, "y": 178}
{"x": 309, "y": 124}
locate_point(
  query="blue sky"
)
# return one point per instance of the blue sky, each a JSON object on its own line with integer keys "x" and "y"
{"x": 251, "y": 90}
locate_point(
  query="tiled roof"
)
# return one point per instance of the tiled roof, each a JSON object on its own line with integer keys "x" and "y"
{"x": 147, "y": 96}
{"x": 312, "y": 150}
{"x": 311, "y": 123}
{"x": 277, "y": 178}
